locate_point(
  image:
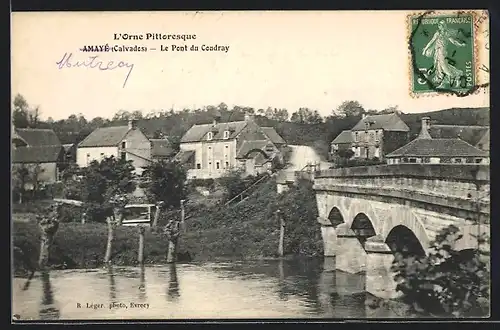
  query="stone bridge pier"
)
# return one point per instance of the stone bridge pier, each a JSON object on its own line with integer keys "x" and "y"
{"x": 367, "y": 214}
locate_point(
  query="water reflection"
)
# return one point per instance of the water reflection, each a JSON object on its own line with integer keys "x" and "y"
{"x": 142, "y": 285}
{"x": 281, "y": 282}
{"x": 281, "y": 288}
{"x": 48, "y": 308}
{"x": 112, "y": 283}
{"x": 173, "y": 284}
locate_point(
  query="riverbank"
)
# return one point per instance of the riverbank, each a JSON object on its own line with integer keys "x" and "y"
{"x": 246, "y": 231}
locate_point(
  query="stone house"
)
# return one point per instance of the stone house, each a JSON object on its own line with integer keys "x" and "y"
{"x": 122, "y": 142}
{"x": 43, "y": 163}
{"x": 40, "y": 152}
{"x": 210, "y": 150}
{"x": 426, "y": 149}
{"x": 373, "y": 136}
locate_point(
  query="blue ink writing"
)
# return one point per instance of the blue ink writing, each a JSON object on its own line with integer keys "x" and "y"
{"x": 94, "y": 62}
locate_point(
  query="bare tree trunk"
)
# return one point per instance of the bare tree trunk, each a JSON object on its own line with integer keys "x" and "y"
{"x": 282, "y": 234}
{"x": 172, "y": 231}
{"x": 48, "y": 227}
{"x": 183, "y": 216}
{"x": 44, "y": 251}
{"x": 172, "y": 251}
{"x": 111, "y": 237}
{"x": 140, "y": 256}
{"x": 118, "y": 202}
{"x": 159, "y": 205}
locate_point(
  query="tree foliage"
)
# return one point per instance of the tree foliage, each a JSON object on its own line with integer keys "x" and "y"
{"x": 447, "y": 282}
{"x": 165, "y": 182}
{"x": 350, "y": 109}
{"x": 23, "y": 115}
{"x": 97, "y": 183}
{"x": 306, "y": 116}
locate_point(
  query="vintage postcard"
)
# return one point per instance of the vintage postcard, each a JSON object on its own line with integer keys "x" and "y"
{"x": 250, "y": 165}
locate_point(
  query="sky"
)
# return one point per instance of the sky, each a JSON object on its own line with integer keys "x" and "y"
{"x": 278, "y": 59}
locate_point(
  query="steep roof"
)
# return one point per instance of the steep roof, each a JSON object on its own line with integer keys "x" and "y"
{"x": 273, "y": 135}
{"x": 105, "y": 137}
{"x": 485, "y": 140}
{"x": 197, "y": 132}
{"x": 18, "y": 139}
{"x": 247, "y": 146}
{"x": 183, "y": 156}
{"x": 161, "y": 148}
{"x": 388, "y": 122}
{"x": 438, "y": 148}
{"x": 470, "y": 134}
{"x": 40, "y": 154}
{"x": 343, "y": 137}
{"x": 38, "y": 137}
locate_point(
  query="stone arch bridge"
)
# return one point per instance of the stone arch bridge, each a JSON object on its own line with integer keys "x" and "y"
{"x": 368, "y": 213}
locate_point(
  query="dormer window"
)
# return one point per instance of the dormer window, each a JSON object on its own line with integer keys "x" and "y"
{"x": 226, "y": 134}
{"x": 210, "y": 136}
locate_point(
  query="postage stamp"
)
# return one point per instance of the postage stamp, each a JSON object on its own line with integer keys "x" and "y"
{"x": 443, "y": 53}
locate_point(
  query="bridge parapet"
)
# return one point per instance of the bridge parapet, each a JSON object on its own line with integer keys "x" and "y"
{"x": 458, "y": 186}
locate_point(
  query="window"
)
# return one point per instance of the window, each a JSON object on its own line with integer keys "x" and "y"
{"x": 227, "y": 164}
{"x": 198, "y": 166}
{"x": 217, "y": 165}
{"x": 102, "y": 155}
{"x": 356, "y": 137}
{"x": 226, "y": 134}
{"x": 124, "y": 156}
{"x": 372, "y": 136}
{"x": 412, "y": 160}
{"x": 377, "y": 136}
{"x": 124, "y": 144}
{"x": 209, "y": 164}
{"x": 209, "y": 136}
{"x": 209, "y": 148}
{"x": 226, "y": 146}
{"x": 480, "y": 146}
{"x": 457, "y": 160}
{"x": 478, "y": 160}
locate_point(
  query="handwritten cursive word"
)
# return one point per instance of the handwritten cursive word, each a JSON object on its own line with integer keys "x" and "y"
{"x": 94, "y": 62}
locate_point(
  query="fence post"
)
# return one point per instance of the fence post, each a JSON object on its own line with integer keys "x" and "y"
{"x": 140, "y": 256}
{"x": 183, "y": 216}
{"x": 282, "y": 233}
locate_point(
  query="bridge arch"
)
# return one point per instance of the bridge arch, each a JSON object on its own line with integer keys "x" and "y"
{"x": 362, "y": 206}
{"x": 402, "y": 239}
{"x": 406, "y": 218}
{"x": 363, "y": 228}
{"x": 335, "y": 216}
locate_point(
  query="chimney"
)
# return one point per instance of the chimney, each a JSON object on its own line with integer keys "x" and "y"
{"x": 132, "y": 124}
{"x": 424, "y": 131}
{"x": 248, "y": 117}
{"x": 363, "y": 115}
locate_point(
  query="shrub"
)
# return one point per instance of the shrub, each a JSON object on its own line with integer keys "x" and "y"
{"x": 447, "y": 282}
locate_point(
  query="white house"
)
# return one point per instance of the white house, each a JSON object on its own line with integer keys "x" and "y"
{"x": 124, "y": 142}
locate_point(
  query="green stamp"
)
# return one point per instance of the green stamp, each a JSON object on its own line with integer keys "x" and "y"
{"x": 442, "y": 53}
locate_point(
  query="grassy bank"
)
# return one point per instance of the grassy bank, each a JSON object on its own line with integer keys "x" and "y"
{"x": 247, "y": 230}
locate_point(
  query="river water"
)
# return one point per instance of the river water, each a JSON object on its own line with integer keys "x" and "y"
{"x": 213, "y": 290}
